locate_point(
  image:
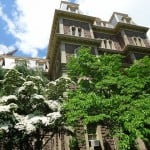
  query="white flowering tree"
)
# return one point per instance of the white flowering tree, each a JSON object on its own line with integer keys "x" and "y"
{"x": 29, "y": 108}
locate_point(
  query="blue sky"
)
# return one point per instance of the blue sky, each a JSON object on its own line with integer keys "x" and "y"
{"x": 26, "y": 24}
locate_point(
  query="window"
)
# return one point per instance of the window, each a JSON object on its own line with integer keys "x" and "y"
{"x": 107, "y": 44}
{"x": 73, "y": 30}
{"x": 76, "y": 52}
{"x": 126, "y": 19}
{"x": 138, "y": 41}
{"x": 79, "y": 31}
{"x": 21, "y": 62}
{"x": 40, "y": 65}
{"x": 76, "y": 31}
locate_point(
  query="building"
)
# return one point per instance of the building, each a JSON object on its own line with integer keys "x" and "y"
{"x": 71, "y": 29}
{"x": 10, "y": 61}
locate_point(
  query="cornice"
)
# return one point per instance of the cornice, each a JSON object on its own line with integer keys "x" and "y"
{"x": 77, "y": 39}
{"x": 72, "y": 15}
{"x": 135, "y": 48}
{"x": 119, "y": 26}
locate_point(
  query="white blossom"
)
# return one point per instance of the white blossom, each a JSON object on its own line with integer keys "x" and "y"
{"x": 54, "y": 115}
{"x": 4, "y": 127}
{"x": 8, "y": 108}
{"x": 28, "y": 123}
{"x": 4, "y": 99}
{"x": 27, "y": 84}
{"x": 22, "y": 88}
{"x": 53, "y": 104}
{"x": 36, "y": 96}
{"x": 52, "y": 82}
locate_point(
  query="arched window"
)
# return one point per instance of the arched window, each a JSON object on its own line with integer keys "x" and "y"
{"x": 76, "y": 31}
{"x": 107, "y": 44}
{"x": 76, "y": 52}
{"x": 79, "y": 31}
{"x": 138, "y": 41}
{"x": 73, "y": 30}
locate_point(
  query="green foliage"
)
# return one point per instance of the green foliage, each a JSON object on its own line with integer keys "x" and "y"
{"x": 110, "y": 94}
{"x": 12, "y": 80}
{"x": 2, "y": 73}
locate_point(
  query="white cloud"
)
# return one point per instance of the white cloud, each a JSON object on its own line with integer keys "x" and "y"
{"x": 31, "y": 24}
{"x": 32, "y": 20}
{"x": 137, "y": 9}
{"x": 4, "y": 49}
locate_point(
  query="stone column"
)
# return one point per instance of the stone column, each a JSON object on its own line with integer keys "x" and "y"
{"x": 96, "y": 51}
{"x": 80, "y": 134}
{"x": 91, "y": 31}
{"x": 67, "y": 139}
{"x": 108, "y": 44}
{"x": 125, "y": 38}
{"x": 86, "y": 138}
{"x": 99, "y": 136}
{"x": 63, "y": 58}
{"x": 140, "y": 144}
{"x": 61, "y": 27}
{"x": 133, "y": 58}
{"x": 76, "y": 31}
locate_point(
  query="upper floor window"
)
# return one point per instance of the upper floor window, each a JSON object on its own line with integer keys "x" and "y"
{"x": 76, "y": 52}
{"x": 107, "y": 44}
{"x": 103, "y": 24}
{"x": 126, "y": 19}
{"x": 72, "y": 8}
{"x": 76, "y": 31}
{"x": 21, "y": 62}
{"x": 42, "y": 65}
{"x": 138, "y": 41}
{"x": 79, "y": 32}
{"x": 73, "y": 30}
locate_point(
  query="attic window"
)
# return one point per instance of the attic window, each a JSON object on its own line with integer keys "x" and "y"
{"x": 72, "y": 8}
{"x": 126, "y": 19}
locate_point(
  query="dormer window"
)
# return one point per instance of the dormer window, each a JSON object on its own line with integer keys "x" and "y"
{"x": 126, "y": 19}
{"x": 72, "y": 8}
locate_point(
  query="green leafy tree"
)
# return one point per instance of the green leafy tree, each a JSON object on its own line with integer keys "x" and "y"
{"x": 110, "y": 94}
